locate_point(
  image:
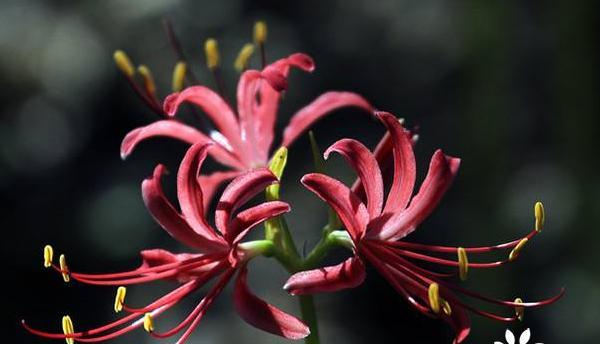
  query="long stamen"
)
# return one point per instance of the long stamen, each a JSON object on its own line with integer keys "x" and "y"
{"x": 211, "y": 50}
{"x": 143, "y": 279}
{"x": 214, "y": 293}
{"x": 176, "y": 45}
{"x": 517, "y": 304}
{"x": 85, "y": 336}
{"x": 179, "y": 293}
{"x": 451, "y": 249}
{"x": 126, "y": 67}
{"x": 209, "y": 258}
{"x": 149, "y": 84}
{"x": 260, "y": 37}
{"x": 446, "y": 262}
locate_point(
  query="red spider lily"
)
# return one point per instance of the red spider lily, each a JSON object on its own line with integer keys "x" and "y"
{"x": 376, "y": 229}
{"x": 243, "y": 141}
{"x": 220, "y": 254}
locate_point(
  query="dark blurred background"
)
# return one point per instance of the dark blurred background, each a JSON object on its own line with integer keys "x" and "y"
{"x": 510, "y": 87}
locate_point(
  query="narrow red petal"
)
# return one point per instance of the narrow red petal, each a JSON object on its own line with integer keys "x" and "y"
{"x": 264, "y": 316}
{"x": 249, "y": 218}
{"x": 179, "y": 131}
{"x": 383, "y": 155}
{"x": 212, "y": 104}
{"x": 239, "y": 191}
{"x": 189, "y": 191}
{"x": 351, "y": 211}
{"x": 247, "y": 102}
{"x": 405, "y": 170}
{"x": 318, "y": 109}
{"x": 269, "y": 95}
{"x": 365, "y": 165}
{"x": 210, "y": 183}
{"x": 164, "y": 213}
{"x": 442, "y": 170}
{"x": 298, "y": 60}
{"x": 348, "y": 274}
{"x": 460, "y": 322}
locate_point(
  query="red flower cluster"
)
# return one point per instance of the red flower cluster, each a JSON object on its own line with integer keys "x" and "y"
{"x": 374, "y": 226}
{"x": 220, "y": 255}
{"x": 376, "y": 230}
{"x": 243, "y": 141}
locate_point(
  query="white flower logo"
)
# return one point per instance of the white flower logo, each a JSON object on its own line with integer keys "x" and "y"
{"x": 523, "y": 339}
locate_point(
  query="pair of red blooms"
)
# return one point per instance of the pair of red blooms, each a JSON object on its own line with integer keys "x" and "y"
{"x": 375, "y": 224}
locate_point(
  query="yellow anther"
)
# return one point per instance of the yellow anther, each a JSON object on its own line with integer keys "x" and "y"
{"x": 179, "y": 76}
{"x": 241, "y": 62}
{"x": 540, "y": 216}
{"x": 120, "y": 299}
{"x": 149, "y": 84}
{"x": 212, "y": 53}
{"x": 260, "y": 32}
{"x": 517, "y": 250}
{"x": 64, "y": 269}
{"x": 434, "y": 297}
{"x": 463, "y": 263}
{"x": 124, "y": 63}
{"x": 446, "y": 308}
{"x": 148, "y": 323}
{"x": 68, "y": 330}
{"x": 48, "y": 256}
{"x": 519, "y": 310}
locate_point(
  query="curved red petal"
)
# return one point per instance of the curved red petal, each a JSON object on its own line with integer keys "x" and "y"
{"x": 460, "y": 322}
{"x": 239, "y": 191}
{"x": 189, "y": 191}
{"x": 212, "y": 104}
{"x": 383, "y": 155}
{"x": 405, "y": 170}
{"x": 247, "y": 102}
{"x": 211, "y": 182}
{"x": 269, "y": 94}
{"x": 442, "y": 170}
{"x": 348, "y": 274}
{"x": 351, "y": 211}
{"x": 249, "y": 218}
{"x": 179, "y": 131}
{"x": 169, "y": 219}
{"x": 264, "y": 316}
{"x": 365, "y": 165}
{"x": 318, "y": 109}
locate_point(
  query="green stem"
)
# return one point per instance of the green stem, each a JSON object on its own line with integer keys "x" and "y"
{"x": 309, "y": 315}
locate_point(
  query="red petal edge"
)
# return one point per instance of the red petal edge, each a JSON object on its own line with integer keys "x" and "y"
{"x": 348, "y": 274}
{"x": 264, "y": 316}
